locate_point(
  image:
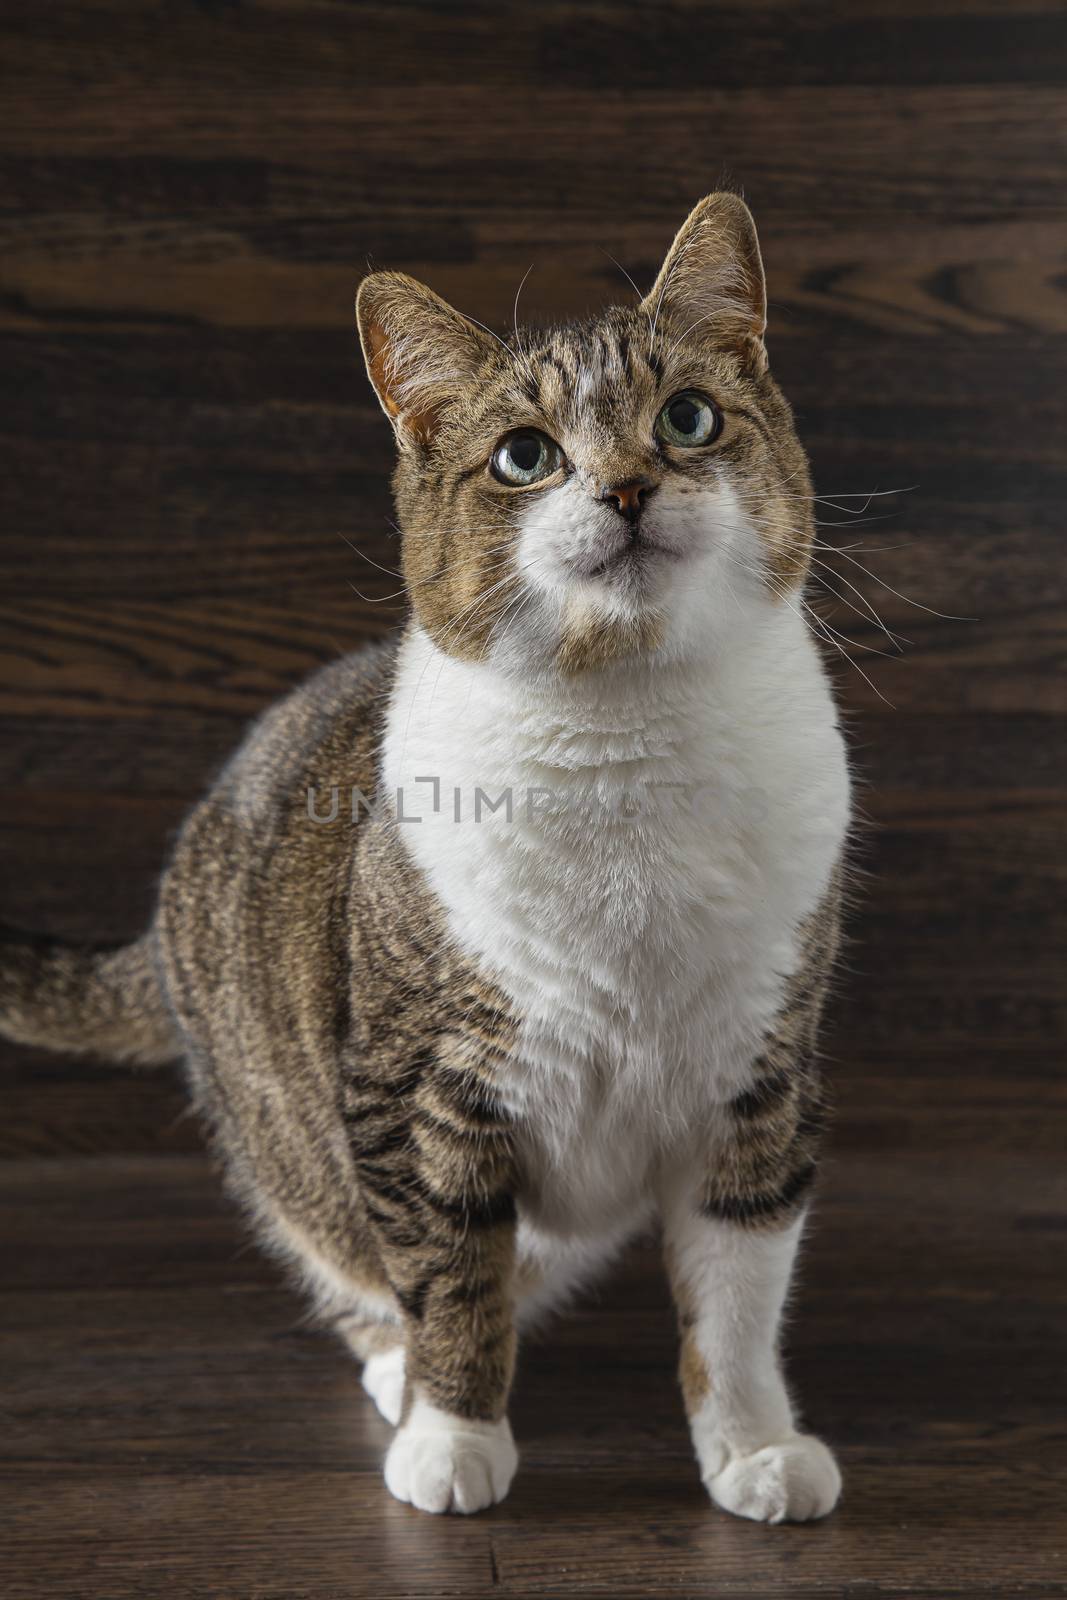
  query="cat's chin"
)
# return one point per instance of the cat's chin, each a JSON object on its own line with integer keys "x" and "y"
{"x": 633, "y": 563}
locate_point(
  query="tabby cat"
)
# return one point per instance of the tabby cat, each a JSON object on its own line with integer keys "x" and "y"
{"x": 497, "y": 941}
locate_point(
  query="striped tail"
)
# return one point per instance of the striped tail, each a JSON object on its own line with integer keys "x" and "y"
{"x": 104, "y": 1000}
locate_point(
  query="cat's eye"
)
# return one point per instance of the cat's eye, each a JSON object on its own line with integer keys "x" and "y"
{"x": 689, "y": 419}
{"x": 526, "y": 456}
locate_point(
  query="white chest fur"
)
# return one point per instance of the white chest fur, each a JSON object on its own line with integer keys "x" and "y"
{"x": 645, "y": 953}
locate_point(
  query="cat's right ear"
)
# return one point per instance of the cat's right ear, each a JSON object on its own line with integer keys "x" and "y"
{"x": 420, "y": 352}
{"x": 712, "y": 282}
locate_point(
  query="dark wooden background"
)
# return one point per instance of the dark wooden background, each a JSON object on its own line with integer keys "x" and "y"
{"x": 188, "y": 194}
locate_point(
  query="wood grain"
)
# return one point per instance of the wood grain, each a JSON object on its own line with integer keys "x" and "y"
{"x": 194, "y": 513}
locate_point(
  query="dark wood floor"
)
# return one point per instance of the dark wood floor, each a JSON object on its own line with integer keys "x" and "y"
{"x": 171, "y": 1427}
{"x": 187, "y": 195}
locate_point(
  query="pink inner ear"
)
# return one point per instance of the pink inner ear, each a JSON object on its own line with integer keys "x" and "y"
{"x": 378, "y": 340}
{"x": 416, "y": 424}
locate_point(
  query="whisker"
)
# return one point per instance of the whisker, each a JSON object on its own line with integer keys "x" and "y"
{"x": 944, "y": 616}
{"x": 855, "y": 644}
{"x": 633, "y": 286}
{"x": 875, "y": 494}
{"x": 435, "y": 577}
{"x": 817, "y": 623}
{"x": 827, "y": 633}
{"x": 515, "y": 308}
{"x": 375, "y": 599}
{"x": 449, "y": 633}
{"x": 365, "y": 557}
{"x": 869, "y": 611}
{"x": 481, "y": 601}
{"x": 486, "y": 329}
{"x": 877, "y": 516}
{"x": 841, "y": 549}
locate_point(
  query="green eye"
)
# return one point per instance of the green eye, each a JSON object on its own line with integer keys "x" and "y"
{"x": 689, "y": 419}
{"x": 526, "y": 456}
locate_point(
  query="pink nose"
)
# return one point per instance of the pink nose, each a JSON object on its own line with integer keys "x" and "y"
{"x": 628, "y": 498}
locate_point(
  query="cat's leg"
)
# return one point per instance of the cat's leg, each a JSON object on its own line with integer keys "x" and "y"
{"x": 438, "y": 1187}
{"x": 730, "y": 1284}
{"x": 733, "y": 1215}
{"x": 454, "y": 1449}
{"x": 732, "y": 1224}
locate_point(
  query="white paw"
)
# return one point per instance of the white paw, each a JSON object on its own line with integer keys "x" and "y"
{"x": 442, "y": 1463}
{"x": 790, "y": 1482}
{"x": 383, "y": 1379}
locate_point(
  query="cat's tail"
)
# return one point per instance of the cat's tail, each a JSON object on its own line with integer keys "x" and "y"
{"x": 107, "y": 1000}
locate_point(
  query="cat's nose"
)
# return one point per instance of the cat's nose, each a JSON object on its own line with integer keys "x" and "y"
{"x": 628, "y": 498}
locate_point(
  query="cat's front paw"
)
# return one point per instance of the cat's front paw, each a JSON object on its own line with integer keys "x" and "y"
{"x": 443, "y": 1463}
{"x": 794, "y": 1481}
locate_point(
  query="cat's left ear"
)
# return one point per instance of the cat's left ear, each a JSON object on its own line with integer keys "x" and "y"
{"x": 420, "y": 353}
{"x": 712, "y": 280}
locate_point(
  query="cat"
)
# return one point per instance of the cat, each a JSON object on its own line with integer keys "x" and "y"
{"x": 497, "y": 941}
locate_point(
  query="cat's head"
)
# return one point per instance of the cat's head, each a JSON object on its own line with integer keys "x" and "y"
{"x": 628, "y": 484}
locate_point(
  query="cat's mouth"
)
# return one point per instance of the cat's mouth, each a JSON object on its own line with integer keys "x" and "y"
{"x": 638, "y": 551}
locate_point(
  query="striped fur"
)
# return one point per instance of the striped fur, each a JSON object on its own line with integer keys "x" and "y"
{"x": 763, "y": 1158}
{"x": 345, "y": 1057}
{"x": 77, "y": 997}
